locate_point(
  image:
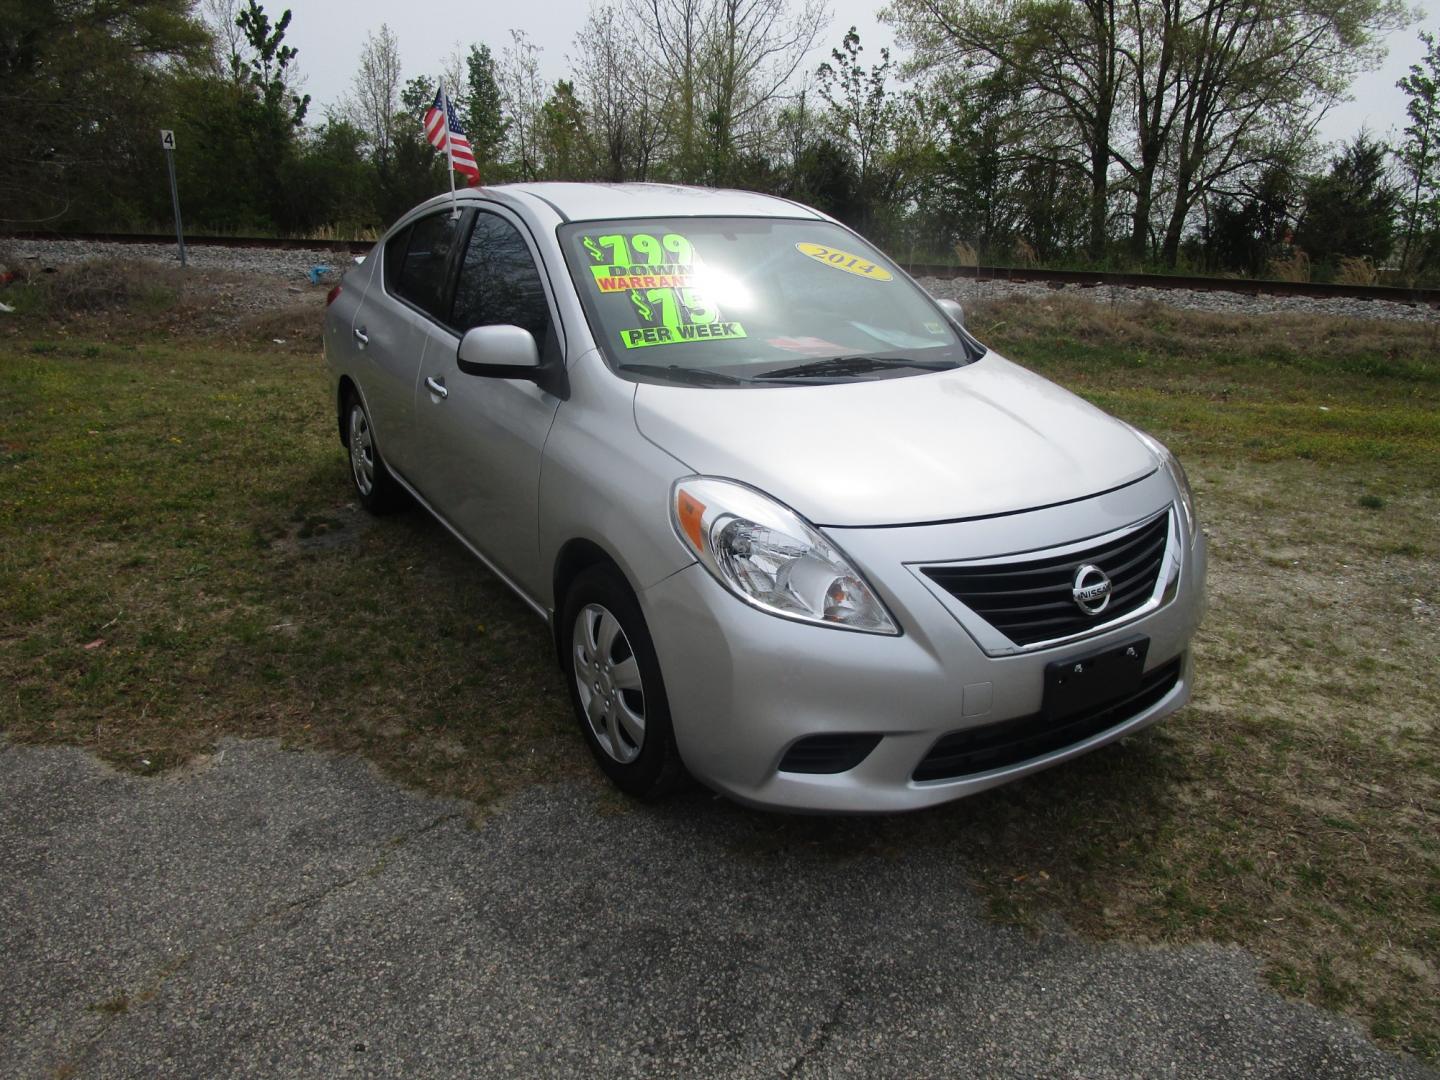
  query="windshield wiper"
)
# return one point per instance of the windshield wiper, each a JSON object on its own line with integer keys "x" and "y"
{"x": 676, "y": 373}
{"x": 852, "y": 365}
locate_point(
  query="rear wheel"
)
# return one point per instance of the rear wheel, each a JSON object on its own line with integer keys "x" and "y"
{"x": 615, "y": 685}
{"x": 376, "y": 488}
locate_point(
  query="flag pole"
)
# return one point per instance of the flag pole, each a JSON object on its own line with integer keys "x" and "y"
{"x": 449, "y": 151}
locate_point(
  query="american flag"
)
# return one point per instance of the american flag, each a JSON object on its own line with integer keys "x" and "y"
{"x": 442, "y": 126}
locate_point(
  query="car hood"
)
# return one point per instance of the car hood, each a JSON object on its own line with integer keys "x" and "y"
{"x": 989, "y": 438}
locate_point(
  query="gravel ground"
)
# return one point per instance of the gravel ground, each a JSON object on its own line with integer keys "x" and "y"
{"x": 293, "y": 266}
{"x": 1228, "y": 303}
{"x": 274, "y": 262}
{"x": 272, "y": 913}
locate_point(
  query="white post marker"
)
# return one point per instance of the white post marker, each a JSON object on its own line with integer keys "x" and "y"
{"x": 167, "y": 140}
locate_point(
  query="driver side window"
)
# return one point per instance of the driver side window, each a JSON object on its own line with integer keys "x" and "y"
{"x": 499, "y": 282}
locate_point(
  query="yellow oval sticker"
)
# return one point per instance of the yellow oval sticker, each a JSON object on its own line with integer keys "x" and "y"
{"x": 843, "y": 260}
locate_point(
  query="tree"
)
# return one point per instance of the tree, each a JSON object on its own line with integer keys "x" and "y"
{"x": 753, "y": 48}
{"x": 1150, "y": 49}
{"x": 998, "y": 178}
{"x": 334, "y": 171}
{"x": 1350, "y": 212}
{"x": 564, "y": 149}
{"x": 1417, "y": 153}
{"x": 87, "y": 84}
{"x": 271, "y": 113}
{"x": 221, "y": 18}
{"x": 863, "y": 113}
{"x": 374, "y": 100}
{"x": 728, "y": 63}
{"x": 1192, "y": 99}
{"x": 523, "y": 93}
{"x": 1246, "y": 230}
{"x": 625, "y": 115}
{"x": 417, "y": 170}
{"x": 1067, "y": 55}
{"x": 266, "y": 66}
{"x": 484, "y": 112}
{"x": 1253, "y": 78}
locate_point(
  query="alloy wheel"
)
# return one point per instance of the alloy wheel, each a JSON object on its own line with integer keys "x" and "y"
{"x": 362, "y": 450}
{"x": 607, "y": 676}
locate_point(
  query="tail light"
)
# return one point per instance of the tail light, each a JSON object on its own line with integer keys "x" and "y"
{"x": 331, "y": 295}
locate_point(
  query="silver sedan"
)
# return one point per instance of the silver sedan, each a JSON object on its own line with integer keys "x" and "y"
{"x": 795, "y": 530}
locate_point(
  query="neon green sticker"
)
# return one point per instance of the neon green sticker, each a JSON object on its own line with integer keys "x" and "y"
{"x": 643, "y": 336}
{"x": 640, "y": 261}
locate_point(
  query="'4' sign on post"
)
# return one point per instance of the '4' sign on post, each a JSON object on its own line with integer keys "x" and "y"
{"x": 167, "y": 140}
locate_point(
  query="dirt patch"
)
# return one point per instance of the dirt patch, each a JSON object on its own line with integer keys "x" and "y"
{"x": 296, "y": 326}
{"x": 126, "y": 299}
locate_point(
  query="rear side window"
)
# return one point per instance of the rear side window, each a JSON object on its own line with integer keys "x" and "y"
{"x": 499, "y": 282}
{"x": 416, "y": 259}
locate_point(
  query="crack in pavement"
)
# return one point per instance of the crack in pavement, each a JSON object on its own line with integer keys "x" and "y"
{"x": 818, "y": 1040}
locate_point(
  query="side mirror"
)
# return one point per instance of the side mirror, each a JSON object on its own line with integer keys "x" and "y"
{"x": 953, "y": 311}
{"x": 500, "y": 352}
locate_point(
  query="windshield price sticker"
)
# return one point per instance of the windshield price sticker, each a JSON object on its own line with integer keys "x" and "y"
{"x": 844, "y": 260}
{"x": 682, "y": 315}
{"x": 659, "y": 276}
{"x": 613, "y": 279}
{"x": 641, "y": 261}
{"x": 642, "y": 336}
{"x": 640, "y": 249}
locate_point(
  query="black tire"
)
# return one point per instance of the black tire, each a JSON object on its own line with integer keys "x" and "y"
{"x": 383, "y": 495}
{"x": 656, "y": 769}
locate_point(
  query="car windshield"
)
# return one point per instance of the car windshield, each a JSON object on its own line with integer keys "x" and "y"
{"x": 732, "y": 302}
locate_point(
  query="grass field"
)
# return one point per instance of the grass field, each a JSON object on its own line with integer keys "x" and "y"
{"x": 180, "y": 559}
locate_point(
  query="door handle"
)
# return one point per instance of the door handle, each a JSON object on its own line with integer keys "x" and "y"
{"x": 436, "y": 387}
{"x": 361, "y": 336}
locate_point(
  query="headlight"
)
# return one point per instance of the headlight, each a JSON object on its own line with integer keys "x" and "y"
{"x": 1177, "y": 474}
{"x": 771, "y": 558}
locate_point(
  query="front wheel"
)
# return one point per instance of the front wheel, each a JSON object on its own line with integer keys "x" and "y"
{"x": 615, "y": 685}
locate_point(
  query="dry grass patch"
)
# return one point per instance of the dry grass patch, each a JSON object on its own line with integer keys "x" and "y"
{"x": 129, "y": 300}
{"x": 1178, "y": 340}
{"x": 297, "y": 325}
{"x": 109, "y": 285}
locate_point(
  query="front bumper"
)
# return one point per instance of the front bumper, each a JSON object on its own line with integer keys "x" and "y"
{"x": 744, "y": 685}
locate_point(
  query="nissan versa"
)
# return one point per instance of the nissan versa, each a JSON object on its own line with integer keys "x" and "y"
{"x": 795, "y": 530}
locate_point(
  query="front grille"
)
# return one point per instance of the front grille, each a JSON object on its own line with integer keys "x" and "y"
{"x": 828, "y": 753}
{"x": 995, "y": 746}
{"x": 1031, "y": 600}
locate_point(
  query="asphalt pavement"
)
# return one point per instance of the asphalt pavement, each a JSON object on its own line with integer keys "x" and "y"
{"x": 275, "y": 913}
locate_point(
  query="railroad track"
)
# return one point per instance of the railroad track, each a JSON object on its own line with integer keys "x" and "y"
{"x": 1032, "y": 275}
{"x": 1415, "y": 297}
{"x": 353, "y": 247}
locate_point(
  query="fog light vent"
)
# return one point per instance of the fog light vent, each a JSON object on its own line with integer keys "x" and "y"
{"x": 828, "y": 753}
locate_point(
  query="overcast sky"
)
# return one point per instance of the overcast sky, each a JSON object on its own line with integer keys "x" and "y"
{"x": 330, "y": 33}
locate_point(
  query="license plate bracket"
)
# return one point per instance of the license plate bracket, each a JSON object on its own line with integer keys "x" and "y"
{"x": 1081, "y": 683}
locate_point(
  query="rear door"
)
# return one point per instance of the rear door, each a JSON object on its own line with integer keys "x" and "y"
{"x": 393, "y": 324}
{"x": 483, "y": 437}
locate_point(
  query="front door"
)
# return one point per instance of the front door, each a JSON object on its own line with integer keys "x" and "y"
{"x": 483, "y": 437}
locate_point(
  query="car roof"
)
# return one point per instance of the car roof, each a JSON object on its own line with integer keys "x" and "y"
{"x": 587, "y": 202}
